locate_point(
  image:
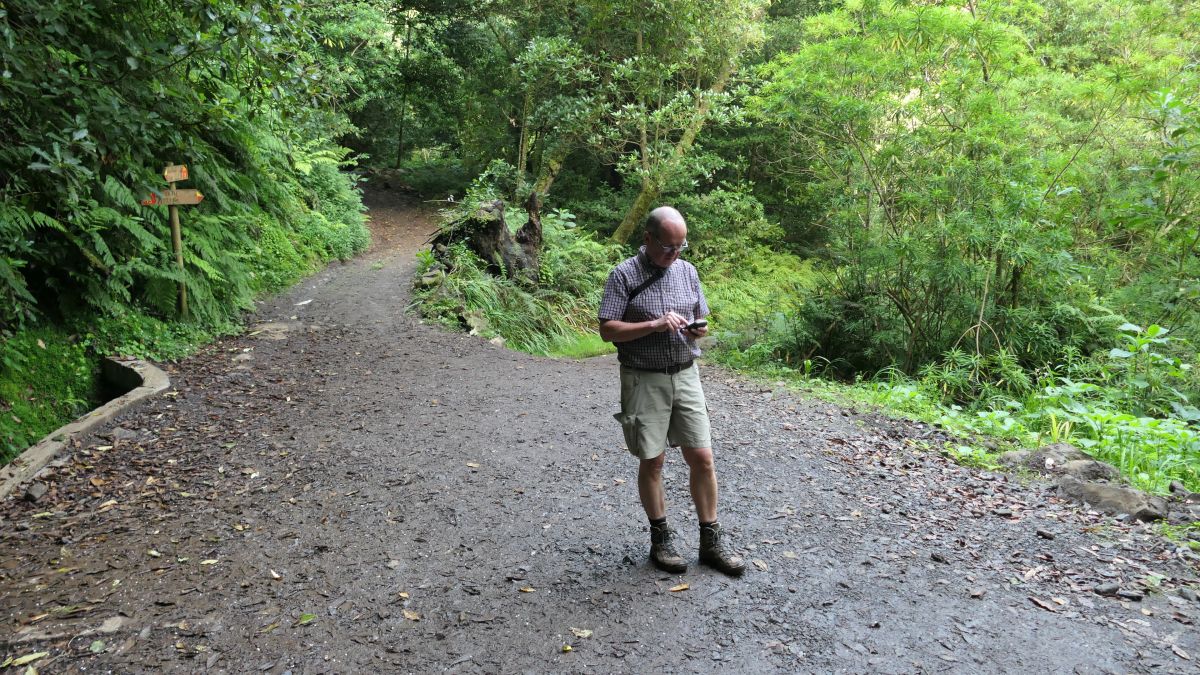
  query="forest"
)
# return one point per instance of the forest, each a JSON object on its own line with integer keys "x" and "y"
{"x": 977, "y": 213}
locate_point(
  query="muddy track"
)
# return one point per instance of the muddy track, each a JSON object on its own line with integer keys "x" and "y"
{"x": 345, "y": 489}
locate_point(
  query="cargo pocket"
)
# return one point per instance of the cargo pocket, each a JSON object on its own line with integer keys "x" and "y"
{"x": 629, "y": 427}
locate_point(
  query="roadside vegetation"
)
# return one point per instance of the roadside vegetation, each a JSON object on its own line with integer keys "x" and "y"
{"x": 98, "y": 97}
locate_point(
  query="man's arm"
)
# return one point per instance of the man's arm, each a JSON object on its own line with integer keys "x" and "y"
{"x": 612, "y": 330}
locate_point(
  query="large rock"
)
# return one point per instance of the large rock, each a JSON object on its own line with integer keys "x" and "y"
{"x": 1113, "y": 499}
{"x": 1058, "y": 459}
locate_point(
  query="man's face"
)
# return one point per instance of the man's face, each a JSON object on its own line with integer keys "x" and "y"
{"x": 663, "y": 250}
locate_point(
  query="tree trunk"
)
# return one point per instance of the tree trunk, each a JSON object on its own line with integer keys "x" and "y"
{"x": 554, "y": 164}
{"x": 529, "y": 237}
{"x": 652, "y": 181}
{"x": 523, "y": 145}
{"x": 637, "y": 211}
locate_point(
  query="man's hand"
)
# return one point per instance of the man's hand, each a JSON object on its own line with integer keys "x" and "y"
{"x": 668, "y": 322}
{"x": 698, "y": 331}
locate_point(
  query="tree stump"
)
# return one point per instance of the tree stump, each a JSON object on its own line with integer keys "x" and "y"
{"x": 486, "y": 233}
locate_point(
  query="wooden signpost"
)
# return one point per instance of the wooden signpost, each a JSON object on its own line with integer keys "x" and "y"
{"x": 173, "y": 198}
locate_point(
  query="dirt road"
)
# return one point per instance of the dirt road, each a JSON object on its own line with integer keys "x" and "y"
{"x": 343, "y": 489}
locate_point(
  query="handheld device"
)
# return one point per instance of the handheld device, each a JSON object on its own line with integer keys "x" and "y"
{"x": 698, "y": 323}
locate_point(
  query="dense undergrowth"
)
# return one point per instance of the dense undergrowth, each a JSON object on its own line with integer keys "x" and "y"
{"x": 97, "y": 97}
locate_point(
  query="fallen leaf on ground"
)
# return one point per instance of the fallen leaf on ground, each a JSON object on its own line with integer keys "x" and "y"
{"x": 411, "y": 615}
{"x": 567, "y": 648}
{"x": 790, "y": 554}
{"x": 680, "y": 587}
{"x": 153, "y": 554}
{"x": 762, "y": 566}
{"x": 306, "y": 619}
{"x": 527, "y": 589}
{"x": 275, "y": 575}
{"x": 210, "y": 561}
{"x": 473, "y": 465}
{"x": 403, "y": 595}
{"x": 270, "y": 627}
{"x": 1180, "y": 653}
{"x": 1043, "y": 604}
{"x": 29, "y": 658}
{"x": 581, "y": 632}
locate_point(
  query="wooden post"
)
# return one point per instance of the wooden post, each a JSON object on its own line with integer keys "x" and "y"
{"x": 177, "y": 244}
{"x": 177, "y": 240}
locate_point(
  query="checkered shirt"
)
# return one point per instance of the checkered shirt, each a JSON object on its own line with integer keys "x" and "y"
{"x": 678, "y": 290}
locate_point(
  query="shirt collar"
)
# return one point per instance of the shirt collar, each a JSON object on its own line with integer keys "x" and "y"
{"x": 646, "y": 262}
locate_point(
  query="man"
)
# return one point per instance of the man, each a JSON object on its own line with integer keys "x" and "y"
{"x": 650, "y": 306}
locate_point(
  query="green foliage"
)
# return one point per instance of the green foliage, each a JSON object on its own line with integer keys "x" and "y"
{"x": 580, "y": 346}
{"x": 101, "y": 95}
{"x": 1150, "y": 451}
{"x": 436, "y": 177}
{"x": 47, "y": 377}
{"x": 959, "y": 183}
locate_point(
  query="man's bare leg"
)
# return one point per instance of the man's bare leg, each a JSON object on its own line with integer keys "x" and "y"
{"x": 650, "y": 487}
{"x": 703, "y": 482}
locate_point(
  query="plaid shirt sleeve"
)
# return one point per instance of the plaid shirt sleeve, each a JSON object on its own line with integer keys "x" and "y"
{"x": 615, "y": 298}
{"x": 701, "y": 310}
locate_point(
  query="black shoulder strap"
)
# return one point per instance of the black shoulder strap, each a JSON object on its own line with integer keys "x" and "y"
{"x": 654, "y": 276}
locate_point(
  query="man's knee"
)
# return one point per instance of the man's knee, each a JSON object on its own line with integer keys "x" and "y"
{"x": 653, "y": 467}
{"x": 698, "y": 458}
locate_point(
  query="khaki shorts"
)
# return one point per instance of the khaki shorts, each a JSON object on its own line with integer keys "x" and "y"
{"x": 658, "y": 410}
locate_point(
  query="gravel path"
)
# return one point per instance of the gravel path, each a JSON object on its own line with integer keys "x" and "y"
{"x": 344, "y": 489}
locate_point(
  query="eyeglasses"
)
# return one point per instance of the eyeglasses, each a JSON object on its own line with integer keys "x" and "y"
{"x": 670, "y": 249}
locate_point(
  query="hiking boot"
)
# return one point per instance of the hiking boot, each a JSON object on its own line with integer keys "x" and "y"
{"x": 713, "y": 552}
{"x": 662, "y": 549}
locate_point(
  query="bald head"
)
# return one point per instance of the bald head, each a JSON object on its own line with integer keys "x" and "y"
{"x": 664, "y": 216}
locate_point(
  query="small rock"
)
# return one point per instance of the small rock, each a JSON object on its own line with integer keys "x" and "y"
{"x": 1003, "y": 512}
{"x": 1130, "y": 595}
{"x": 1045, "y": 534}
{"x": 938, "y": 557}
{"x": 978, "y": 593}
{"x": 123, "y": 434}
{"x": 1014, "y": 458}
{"x": 1182, "y": 493}
{"x": 1188, "y": 594}
{"x": 35, "y": 491}
{"x": 1109, "y": 589}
